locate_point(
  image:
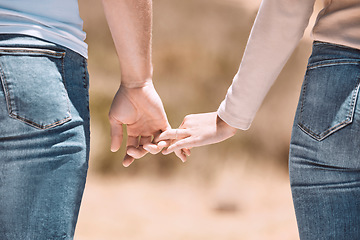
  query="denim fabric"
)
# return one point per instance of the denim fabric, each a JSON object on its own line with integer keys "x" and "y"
{"x": 325, "y": 146}
{"x": 44, "y": 138}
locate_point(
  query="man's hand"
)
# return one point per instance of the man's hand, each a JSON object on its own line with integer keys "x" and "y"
{"x": 142, "y": 111}
{"x": 136, "y": 104}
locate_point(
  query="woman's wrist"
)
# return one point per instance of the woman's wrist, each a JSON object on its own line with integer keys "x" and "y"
{"x": 223, "y": 124}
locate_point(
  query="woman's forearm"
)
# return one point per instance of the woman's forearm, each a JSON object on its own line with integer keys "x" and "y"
{"x": 279, "y": 26}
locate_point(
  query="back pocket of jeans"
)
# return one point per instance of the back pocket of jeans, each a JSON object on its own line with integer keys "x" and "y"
{"x": 34, "y": 88}
{"x": 328, "y": 97}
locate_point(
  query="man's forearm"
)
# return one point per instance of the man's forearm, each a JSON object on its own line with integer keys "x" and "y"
{"x": 130, "y": 23}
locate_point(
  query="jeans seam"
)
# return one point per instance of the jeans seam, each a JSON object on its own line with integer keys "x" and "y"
{"x": 6, "y": 90}
{"x": 333, "y": 63}
{"x": 51, "y": 53}
{"x": 85, "y": 83}
{"x": 65, "y": 87}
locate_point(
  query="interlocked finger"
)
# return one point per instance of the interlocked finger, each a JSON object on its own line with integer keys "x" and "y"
{"x": 132, "y": 142}
{"x": 180, "y": 154}
{"x": 139, "y": 152}
{"x": 155, "y": 147}
{"x": 172, "y": 134}
{"x": 181, "y": 144}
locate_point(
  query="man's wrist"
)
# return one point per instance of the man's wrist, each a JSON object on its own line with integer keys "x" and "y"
{"x": 136, "y": 84}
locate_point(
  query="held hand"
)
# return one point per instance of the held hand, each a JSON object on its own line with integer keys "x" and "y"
{"x": 142, "y": 111}
{"x": 197, "y": 130}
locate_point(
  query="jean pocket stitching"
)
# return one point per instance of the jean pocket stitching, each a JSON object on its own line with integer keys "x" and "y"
{"x": 326, "y": 133}
{"x": 34, "y": 124}
{"x": 8, "y": 98}
{"x": 348, "y": 117}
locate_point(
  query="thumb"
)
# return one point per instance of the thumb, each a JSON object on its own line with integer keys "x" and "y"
{"x": 116, "y": 132}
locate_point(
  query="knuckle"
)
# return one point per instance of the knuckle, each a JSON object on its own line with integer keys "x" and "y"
{"x": 176, "y": 146}
{"x": 112, "y": 120}
{"x": 195, "y": 141}
{"x": 187, "y": 117}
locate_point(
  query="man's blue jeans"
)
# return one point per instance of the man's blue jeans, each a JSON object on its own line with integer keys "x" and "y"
{"x": 325, "y": 146}
{"x": 44, "y": 138}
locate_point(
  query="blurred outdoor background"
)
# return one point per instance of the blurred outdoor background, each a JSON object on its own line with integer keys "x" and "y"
{"x": 235, "y": 190}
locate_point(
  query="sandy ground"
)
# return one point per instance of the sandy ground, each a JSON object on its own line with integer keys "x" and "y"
{"x": 239, "y": 203}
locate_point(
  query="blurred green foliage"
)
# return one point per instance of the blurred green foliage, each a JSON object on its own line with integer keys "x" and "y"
{"x": 197, "y": 47}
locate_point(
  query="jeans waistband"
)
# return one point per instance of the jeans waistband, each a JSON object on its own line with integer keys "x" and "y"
{"x": 25, "y": 41}
{"x": 329, "y": 51}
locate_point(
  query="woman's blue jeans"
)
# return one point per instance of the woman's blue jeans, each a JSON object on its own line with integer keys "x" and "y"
{"x": 44, "y": 138}
{"x": 325, "y": 146}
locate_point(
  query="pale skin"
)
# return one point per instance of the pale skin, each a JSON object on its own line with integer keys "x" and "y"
{"x": 197, "y": 130}
{"x": 136, "y": 104}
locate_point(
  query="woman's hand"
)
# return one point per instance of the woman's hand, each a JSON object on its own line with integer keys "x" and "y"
{"x": 197, "y": 130}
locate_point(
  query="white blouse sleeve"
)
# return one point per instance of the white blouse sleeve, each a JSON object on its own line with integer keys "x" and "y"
{"x": 278, "y": 28}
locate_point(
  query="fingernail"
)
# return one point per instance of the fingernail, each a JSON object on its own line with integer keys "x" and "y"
{"x": 162, "y": 144}
{"x": 127, "y": 163}
{"x": 184, "y": 160}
